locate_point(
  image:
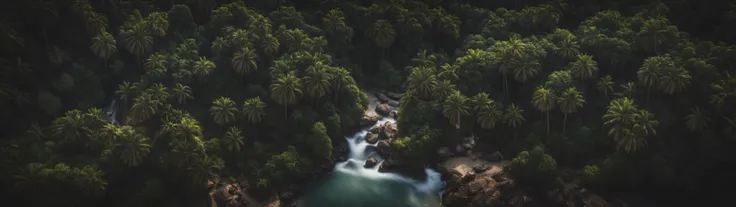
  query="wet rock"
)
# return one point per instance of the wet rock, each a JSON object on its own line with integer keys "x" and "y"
{"x": 481, "y": 168}
{"x": 388, "y": 165}
{"x": 371, "y": 162}
{"x": 384, "y": 148}
{"x": 371, "y": 138}
{"x": 369, "y": 119}
{"x": 383, "y": 109}
{"x": 393, "y": 114}
{"x": 394, "y": 103}
{"x": 386, "y": 130}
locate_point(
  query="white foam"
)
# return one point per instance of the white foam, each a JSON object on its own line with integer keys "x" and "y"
{"x": 358, "y": 156}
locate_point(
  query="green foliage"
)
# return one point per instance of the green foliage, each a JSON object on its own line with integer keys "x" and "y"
{"x": 536, "y": 168}
{"x": 321, "y": 142}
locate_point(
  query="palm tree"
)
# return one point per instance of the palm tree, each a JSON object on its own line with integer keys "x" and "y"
{"x": 204, "y": 167}
{"x": 286, "y": 90}
{"x": 218, "y": 45}
{"x": 514, "y": 116}
{"x": 382, "y": 32}
{"x": 526, "y": 68}
{"x": 605, "y": 85}
{"x": 645, "y": 122}
{"x": 450, "y": 72}
{"x": 340, "y": 79}
{"x": 568, "y": 47}
{"x": 651, "y": 34}
{"x": 674, "y": 80}
{"x": 423, "y": 80}
{"x": 182, "y": 93}
{"x": 544, "y": 100}
{"x": 254, "y": 110}
{"x": 480, "y": 100}
{"x": 334, "y": 22}
{"x": 634, "y": 138}
{"x": 489, "y": 115}
{"x": 71, "y": 126}
{"x": 584, "y": 67}
{"x": 127, "y": 91}
{"x": 93, "y": 180}
{"x": 133, "y": 146}
{"x": 159, "y": 92}
{"x": 104, "y": 46}
{"x": 233, "y": 139}
{"x": 203, "y": 68}
{"x": 570, "y": 101}
{"x": 621, "y": 115}
{"x": 137, "y": 39}
{"x": 455, "y": 107}
{"x": 144, "y": 106}
{"x": 629, "y": 89}
{"x": 317, "y": 81}
{"x": 244, "y": 61}
{"x": 270, "y": 45}
{"x": 649, "y": 72}
{"x": 223, "y": 110}
{"x": 442, "y": 90}
{"x": 31, "y": 177}
{"x": 697, "y": 120}
{"x": 156, "y": 61}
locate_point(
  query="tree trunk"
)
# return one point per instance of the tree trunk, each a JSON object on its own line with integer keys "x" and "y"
{"x": 286, "y": 112}
{"x": 564, "y": 124}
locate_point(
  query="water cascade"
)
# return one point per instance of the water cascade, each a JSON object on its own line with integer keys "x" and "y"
{"x": 353, "y": 185}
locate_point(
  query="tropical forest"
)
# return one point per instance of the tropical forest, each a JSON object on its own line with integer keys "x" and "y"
{"x": 367, "y": 103}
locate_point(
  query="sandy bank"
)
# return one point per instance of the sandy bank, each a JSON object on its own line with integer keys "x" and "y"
{"x": 465, "y": 165}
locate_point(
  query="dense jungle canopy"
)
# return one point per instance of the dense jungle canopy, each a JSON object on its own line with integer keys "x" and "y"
{"x": 639, "y": 95}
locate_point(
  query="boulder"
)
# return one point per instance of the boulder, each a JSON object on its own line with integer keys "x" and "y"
{"x": 383, "y": 109}
{"x": 395, "y": 96}
{"x": 369, "y": 119}
{"x": 481, "y": 168}
{"x": 384, "y": 148}
{"x": 393, "y": 114}
{"x": 478, "y": 190}
{"x": 386, "y": 130}
{"x": 387, "y": 166}
{"x": 371, "y": 138}
{"x": 394, "y": 103}
{"x": 371, "y": 162}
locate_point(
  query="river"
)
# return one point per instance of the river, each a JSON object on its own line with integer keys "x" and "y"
{"x": 352, "y": 185}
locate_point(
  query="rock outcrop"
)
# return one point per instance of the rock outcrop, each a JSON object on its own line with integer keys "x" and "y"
{"x": 383, "y": 109}
{"x": 371, "y": 162}
{"x": 386, "y": 130}
{"x": 369, "y": 119}
{"x": 384, "y": 148}
{"x": 470, "y": 189}
{"x": 371, "y": 138}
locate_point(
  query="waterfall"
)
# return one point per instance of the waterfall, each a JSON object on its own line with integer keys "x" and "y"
{"x": 360, "y": 152}
{"x": 111, "y": 111}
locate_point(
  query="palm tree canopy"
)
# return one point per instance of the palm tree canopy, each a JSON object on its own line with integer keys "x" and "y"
{"x": 570, "y": 101}
{"x": 286, "y": 89}
{"x": 543, "y": 99}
